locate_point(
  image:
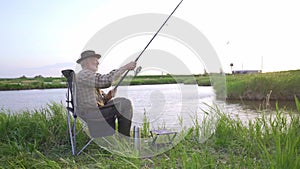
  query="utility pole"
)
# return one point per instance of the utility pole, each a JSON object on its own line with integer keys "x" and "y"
{"x": 231, "y": 65}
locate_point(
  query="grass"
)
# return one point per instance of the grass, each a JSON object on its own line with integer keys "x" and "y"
{"x": 284, "y": 85}
{"x": 37, "y": 82}
{"x": 38, "y": 139}
{"x": 201, "y": 80}
{"x": 40, "y": 82}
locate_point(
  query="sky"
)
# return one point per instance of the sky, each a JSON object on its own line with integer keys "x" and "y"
{"x": 44, "y": 37}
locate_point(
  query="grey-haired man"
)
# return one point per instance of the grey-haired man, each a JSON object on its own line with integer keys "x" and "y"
{"x": 90, "y": 96}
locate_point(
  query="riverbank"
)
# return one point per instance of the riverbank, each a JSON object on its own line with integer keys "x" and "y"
{"x": 38, "y": 139}
{"x": 261, "y": 86}
{"x": 283, "y": 85}
{"x": 26, "y": 83}
{"x": 39, "y": 82}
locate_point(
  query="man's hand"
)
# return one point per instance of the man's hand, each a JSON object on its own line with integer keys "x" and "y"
{"x": 130, "y": 66}
{"x": 110, "y": 94}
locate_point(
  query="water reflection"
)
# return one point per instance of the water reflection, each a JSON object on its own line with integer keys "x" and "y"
{"x": 170, "y": 106}
{"x": 154, "y": 99}
{"x": 261, "y": 105}
{"x": 19, "y": 100}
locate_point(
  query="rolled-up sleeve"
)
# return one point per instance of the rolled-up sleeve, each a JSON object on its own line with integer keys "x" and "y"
{"x": 106, "y": 80}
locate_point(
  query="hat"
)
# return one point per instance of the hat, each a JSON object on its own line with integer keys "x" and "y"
{"x": 87, "y": 54}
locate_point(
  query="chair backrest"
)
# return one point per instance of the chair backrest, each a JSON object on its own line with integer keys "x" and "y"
{"x": 70, "y": 75}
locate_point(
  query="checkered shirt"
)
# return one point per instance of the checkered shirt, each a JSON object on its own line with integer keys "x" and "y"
{"x": 87, "y": 82}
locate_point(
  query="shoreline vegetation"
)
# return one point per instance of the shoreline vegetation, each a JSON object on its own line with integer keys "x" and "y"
{"x": 38, "y": 139}
{"x": 282, "y": 85}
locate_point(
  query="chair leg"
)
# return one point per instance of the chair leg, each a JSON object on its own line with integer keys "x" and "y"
{"x": 71, "y": 134}
{"x": 88, "y": 143}
{"x": 74, "y": 135}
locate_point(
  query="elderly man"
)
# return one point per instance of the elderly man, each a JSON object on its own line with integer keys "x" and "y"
{"x": 90, "y": 98}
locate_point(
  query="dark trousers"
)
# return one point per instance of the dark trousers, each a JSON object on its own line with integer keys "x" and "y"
{"x": 120, "y": 109}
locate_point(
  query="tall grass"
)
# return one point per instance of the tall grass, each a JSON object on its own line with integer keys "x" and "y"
{"x": 284, "y": 85}
{"x": 39, "y": 139}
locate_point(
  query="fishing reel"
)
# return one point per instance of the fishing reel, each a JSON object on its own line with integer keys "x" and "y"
{"x": 137, "y": 70}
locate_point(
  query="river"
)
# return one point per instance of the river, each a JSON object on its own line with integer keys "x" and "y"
{"x": 164, "y": 105}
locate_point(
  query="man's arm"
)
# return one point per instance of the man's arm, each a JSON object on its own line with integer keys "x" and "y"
{"x": 104, "y": 81}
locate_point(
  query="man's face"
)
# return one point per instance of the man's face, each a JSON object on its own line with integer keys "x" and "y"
{"x": 93, "y": 64}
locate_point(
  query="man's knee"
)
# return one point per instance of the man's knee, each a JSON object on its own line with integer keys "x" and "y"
{"x": 123, "y": 102}
{"x": 127, "y": 103}
{"x": 124, "y": 107}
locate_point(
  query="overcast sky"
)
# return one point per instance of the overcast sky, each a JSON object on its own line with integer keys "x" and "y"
{"x": 43, "y": 37}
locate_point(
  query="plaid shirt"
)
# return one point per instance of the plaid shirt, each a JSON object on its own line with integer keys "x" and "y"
{"x": 87, "y": 82}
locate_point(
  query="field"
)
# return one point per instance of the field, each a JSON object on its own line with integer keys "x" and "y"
{"x": 38, "y": 139}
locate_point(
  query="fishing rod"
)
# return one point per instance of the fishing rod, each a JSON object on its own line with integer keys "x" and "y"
{"x": 148, "y": 45}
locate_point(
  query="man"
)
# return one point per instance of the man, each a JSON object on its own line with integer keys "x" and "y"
{"x": 90, "y": 98}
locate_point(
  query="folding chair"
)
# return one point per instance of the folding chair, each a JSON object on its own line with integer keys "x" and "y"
{"x": 71, "y": 114}
{"x": 96, "y": 128}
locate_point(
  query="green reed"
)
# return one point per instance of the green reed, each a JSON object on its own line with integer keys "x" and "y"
{"x": 38, "y": 139}
{"x": 284, "y": 85}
